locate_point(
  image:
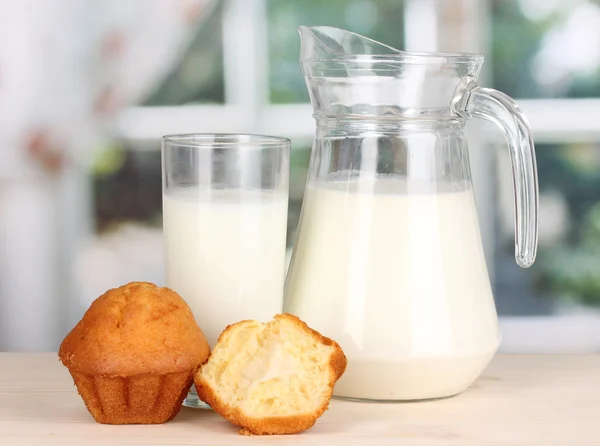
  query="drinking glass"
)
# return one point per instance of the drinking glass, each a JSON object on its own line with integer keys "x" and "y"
{"x": 225, "y": 199}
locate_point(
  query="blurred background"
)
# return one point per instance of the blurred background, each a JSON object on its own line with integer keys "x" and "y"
{"x": 88, "y": 87}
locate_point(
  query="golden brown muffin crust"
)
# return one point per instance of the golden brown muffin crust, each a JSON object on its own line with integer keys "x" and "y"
{"x": 135, "y": 329}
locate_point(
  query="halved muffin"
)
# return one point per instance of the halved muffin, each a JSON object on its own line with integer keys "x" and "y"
{"x": 134, "y": 354}
{"x": 273, "y": 378}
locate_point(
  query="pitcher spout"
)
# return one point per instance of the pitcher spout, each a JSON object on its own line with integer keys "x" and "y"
{"x": 325, "y": 43}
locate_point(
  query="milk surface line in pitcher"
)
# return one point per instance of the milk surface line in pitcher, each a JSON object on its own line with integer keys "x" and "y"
{"x": 388, "y": 257}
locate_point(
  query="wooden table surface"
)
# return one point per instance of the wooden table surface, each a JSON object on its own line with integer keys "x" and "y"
{"x": 519, "y": 400}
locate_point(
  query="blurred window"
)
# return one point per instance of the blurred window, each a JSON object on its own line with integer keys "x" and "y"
{"x": 542, "y": 50}
{"x": 241, "y": 74}
{"x": 566, "y": 275}
{"x": 546, "y": 48}
{"x": 198, "y": 78}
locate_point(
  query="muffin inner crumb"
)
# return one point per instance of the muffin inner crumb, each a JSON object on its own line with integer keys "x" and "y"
{"x": 270, "y": 369}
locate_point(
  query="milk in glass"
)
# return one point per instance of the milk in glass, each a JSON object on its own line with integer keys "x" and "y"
{"x": 225, "y": 254}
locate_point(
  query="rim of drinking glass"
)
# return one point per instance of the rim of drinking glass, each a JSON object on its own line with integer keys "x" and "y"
{"x": 225, "y": 140}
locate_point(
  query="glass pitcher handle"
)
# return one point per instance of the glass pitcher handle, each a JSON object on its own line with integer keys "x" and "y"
{"x": 497, "y": 107}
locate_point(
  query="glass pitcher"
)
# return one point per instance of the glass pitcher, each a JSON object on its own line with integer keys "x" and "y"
{"x": 388, "y": 257}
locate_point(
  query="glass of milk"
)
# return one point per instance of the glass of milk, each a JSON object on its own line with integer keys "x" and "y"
{"x": 225, "y": 199}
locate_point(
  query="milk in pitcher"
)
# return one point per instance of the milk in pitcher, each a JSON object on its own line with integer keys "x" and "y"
{"x": 395, "y": 272}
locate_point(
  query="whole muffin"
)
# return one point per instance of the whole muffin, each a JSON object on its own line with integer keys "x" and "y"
{"x": 134, "y": 354}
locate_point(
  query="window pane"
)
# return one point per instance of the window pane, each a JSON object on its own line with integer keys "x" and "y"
{"x": 381, "y": 20}
{"x": 566, "y": 274}
{"x": 198, "y": 77}
{"x": 543, "y": 48}
{"x": 128, "y": 187}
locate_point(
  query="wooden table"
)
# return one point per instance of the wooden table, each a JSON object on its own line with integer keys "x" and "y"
{"x": 520, "y": 400}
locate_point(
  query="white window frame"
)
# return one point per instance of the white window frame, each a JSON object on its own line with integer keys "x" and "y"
{"x": 247, "y": 109}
